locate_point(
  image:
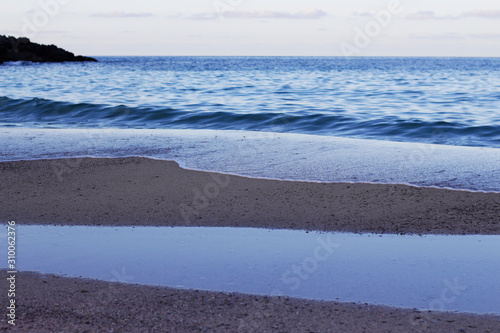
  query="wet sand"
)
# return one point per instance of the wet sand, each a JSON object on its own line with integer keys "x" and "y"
{"x": 141, "y": 191}
{"x": 49, "y": 303}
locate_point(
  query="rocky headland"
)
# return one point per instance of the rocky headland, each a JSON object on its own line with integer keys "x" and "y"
{"x": 22, "y": 49}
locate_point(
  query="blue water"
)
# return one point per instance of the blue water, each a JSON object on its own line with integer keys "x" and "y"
{"x": 453, "y": 101}
{"x": 404, "y": 271}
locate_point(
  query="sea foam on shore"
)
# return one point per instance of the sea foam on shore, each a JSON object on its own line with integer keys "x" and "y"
{"x": 282, "y": 156}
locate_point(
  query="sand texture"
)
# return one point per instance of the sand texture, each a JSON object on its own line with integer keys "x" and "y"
{"x": 141, "y": 191}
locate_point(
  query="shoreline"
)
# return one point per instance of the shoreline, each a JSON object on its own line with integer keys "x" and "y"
{"x": 284, "y": 156}
{"x": 257, "y": 177}
{"x": 143, "y": 191}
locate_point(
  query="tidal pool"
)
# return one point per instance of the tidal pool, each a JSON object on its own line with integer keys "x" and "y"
{"x": 451, "y": 273}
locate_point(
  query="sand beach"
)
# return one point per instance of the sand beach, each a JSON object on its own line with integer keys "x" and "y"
{"x": 142, "y": 191}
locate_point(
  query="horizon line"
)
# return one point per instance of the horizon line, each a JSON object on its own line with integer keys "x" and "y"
{"x": 299, "y": 56}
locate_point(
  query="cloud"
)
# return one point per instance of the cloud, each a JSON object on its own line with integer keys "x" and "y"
{"x": 54, "y": 31}
{"x": 453, "y": 35}
{"x": 450, "y": 35}
{"x": 202, "y": 16}
{"x": 491, "y": 14}
{"x": 311, "y": 14}
{"x": 422, "y": 15}
{"x": 485, "y": 36}
{"x": 362, "y": 14}
{"x": 430, "y": 15}
{"x": 122, "y": 14}
{"x": 174, "y": 16}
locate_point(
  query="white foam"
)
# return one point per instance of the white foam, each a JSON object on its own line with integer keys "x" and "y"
{"x": 271, "y": 155}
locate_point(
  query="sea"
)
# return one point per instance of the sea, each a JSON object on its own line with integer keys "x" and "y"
{"x": 451, "y": 101}
{"x": 418, "y": 121}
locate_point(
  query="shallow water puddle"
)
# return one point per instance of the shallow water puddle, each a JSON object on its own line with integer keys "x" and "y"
{"x": 431, "y": 272}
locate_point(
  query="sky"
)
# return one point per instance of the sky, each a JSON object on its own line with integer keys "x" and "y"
{"x": 260, "y": 27}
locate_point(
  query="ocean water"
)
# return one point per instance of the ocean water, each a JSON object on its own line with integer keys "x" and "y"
{"x": 452, "y": 101}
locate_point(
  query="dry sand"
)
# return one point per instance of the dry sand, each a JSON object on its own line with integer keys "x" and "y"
{"x": 140, "y": 191}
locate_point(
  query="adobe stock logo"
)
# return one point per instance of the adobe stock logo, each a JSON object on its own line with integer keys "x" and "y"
{"x": 363, "y": 36}
{"x": 48, "y": 9}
